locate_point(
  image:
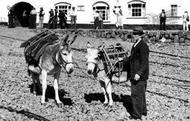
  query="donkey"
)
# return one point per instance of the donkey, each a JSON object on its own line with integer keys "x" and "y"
{"x": 54, "y": 57}
{"x": 93, "y": 58}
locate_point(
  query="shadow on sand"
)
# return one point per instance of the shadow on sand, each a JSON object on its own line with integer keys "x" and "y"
{"x": 125, "y": 99}
{"x": 50, "y": 94}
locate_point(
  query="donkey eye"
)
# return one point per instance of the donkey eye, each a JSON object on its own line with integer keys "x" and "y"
{"x": 64, "y": 53}
{"x": 96, "y": 58}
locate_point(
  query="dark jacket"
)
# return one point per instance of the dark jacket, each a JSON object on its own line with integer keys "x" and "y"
{"x": 138, "y": 62}
{"x": 62, "y": 17}
{"x": 163, "y": 16}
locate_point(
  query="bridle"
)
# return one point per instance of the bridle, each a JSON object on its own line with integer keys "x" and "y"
{"x": 96, "y": 69}
{"x": 61, "y": 62}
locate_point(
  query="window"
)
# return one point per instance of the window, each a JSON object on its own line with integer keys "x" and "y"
{"x": 63, "y": 6}
{"x": 173, "y": 10}
{"x": 103, "y": 8}
{"x": 137, "y": 8}
{"x": 80, "y": 8}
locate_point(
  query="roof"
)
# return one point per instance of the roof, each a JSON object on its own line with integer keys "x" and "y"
{"x": 133, "y": 1}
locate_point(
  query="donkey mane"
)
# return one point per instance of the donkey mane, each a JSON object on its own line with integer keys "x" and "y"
{"x": 53, "y": 49}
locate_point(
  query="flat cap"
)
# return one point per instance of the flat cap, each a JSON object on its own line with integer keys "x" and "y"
{"x": 138, "y": 30}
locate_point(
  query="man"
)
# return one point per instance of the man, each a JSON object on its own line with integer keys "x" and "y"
{"x": 55, "y": 21}
{"x": 96, "y": 19}
{"x": 62, "y": 20}
{"x": 73, "y": 16}
{"x": 185, "y": 21}
{"x": 11, "y": 17}
{"x": 41, "y": 18}
{"x": 137, "y": 71}
{"x": 25, "y": 18}
{"x": 163, "y": 20}
{"x": 51, "y": 17}
{"x": 100, "y": 20}
{"x": 119, "y": 14}
{"x": 32, "y": 19}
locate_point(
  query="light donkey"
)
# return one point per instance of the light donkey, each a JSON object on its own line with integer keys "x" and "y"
{"x": 93, "y": 59}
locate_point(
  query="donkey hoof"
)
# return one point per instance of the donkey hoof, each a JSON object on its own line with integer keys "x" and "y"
{"x": 59, "y": 105}
{"x": 44, "y": 104}
{"x": 34, "y": 93}
{"x": 110, "y": 106}
{"x": 105, "y": 104}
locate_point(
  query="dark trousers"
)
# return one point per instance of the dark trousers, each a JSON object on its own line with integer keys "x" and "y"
{"x": 11, "y": 22}
{"x": 101, "y": 24}
{"x": 50, "y": 23}
{"x": 63, "y": 24}
{"x": 73, "y": 22}
{"x": 138, "y": 98}
{"x": 96, "y": 23}
{"x": 162, "y": 25}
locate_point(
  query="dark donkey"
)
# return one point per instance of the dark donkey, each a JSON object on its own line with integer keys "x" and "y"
{"x": 48, "y": 60}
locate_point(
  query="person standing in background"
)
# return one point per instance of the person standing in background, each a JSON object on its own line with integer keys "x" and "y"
{"x": 162, "y": 20}
{"x": 73, "y": 15}
{"x": 96, "y": 19}
{"x": 32, "y": 19}
{"x": 62, "y": 20}
{"x": 41, "y": 18}
{"x": 185, "y": 21}
{"x": 51, "y": 17}
{"x": 100, "y": 20}
{"x": 25, "y": 18}
{"x": 10, "y": 18}
{"x": 119, "y": 14}
{"x": 55, "y": 18}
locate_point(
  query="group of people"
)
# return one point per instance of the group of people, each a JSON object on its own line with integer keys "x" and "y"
{"x": 185, "y": 19}
{"x": 29, "y": 18}
{"x": 62, "y": 17}
{"x": 98, "y": 18}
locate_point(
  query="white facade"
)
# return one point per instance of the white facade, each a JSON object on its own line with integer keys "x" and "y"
{"x": 134, "y": 11}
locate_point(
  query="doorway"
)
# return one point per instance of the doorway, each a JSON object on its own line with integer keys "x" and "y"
{"x": 21, "y": 11}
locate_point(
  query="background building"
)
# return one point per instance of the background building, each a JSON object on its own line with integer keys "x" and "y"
{"x": 134, "y": 11}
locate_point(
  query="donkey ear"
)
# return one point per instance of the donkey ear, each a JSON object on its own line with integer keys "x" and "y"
{"x": 65, "y": 39}
{"x": 74, "y": 38}
{"x": 101, "y": 46}
{"x": 88, "y": 45}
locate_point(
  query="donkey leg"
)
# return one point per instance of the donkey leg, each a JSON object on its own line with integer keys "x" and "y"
{"x": 109, "y": 90}
{"x": 56, "y": 91}
{"x": 34, "y": 79}
{"x": 102, "y": 83}
{"x": 44, "y": 85}
{"x": 56, "y": 79}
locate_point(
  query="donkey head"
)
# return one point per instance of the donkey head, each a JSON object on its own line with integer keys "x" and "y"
{"x": 92, "y": 58}
{"x": 66, "y": 55}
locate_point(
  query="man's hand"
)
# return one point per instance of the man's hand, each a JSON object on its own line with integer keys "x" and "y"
{"x": 137, "y": 77}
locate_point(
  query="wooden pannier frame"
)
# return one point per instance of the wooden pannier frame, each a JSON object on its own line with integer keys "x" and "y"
{"x": 111, "y": 55}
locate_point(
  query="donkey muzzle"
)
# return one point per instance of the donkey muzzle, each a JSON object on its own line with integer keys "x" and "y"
{"x": 69, "y": 68}
{"x": 89, "y": 71}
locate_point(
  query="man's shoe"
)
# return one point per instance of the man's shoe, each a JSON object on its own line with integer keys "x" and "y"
{"x": 135, "y": 118}
{"x": 121, "y": 120}
{"x": 144, "y": 114}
